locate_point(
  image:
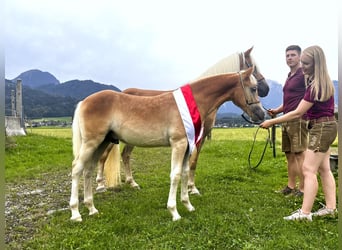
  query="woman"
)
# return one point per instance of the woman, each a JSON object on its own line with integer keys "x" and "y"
{"x": 318, "y": 104}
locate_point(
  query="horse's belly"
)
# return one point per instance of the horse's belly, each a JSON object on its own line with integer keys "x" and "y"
{"x": 145, "y": 139}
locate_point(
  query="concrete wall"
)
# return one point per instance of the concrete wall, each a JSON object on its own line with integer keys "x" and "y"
{"x": 13, "y": 126}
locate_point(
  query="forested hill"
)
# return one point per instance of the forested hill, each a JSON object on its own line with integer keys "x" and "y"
{"x": 44, "y": 96}
{"x": 76, "y": 89}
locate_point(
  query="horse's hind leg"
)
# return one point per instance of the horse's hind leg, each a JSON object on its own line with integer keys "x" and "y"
{"x": 84, "y": 163}
{"x": 192, "y": 189}
{"x": 126, "y": 156}
{"x": 77, "y": 170}
{"x": 97, "y": 153}
{"x": 191, "y": 181}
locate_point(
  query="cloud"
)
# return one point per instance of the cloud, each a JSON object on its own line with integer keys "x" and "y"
{"x": 158, "y": 44}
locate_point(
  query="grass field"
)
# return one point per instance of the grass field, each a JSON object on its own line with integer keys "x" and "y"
{"x": 238, "y": 208}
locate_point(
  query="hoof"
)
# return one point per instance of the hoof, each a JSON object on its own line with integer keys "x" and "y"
{"x": 175, "y": 218}
{"x": 93, "y": 212}
{"x": 188, "y": 206}
{"x": 194, "y": 191}
{"x": 191, "y": 209}
{"x": 101, "y": 189}
{"x": 76, "y": 219}
{"x": 133, "y": 184}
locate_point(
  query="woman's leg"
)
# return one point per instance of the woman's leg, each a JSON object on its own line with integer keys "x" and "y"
{"x": 311, "y": 165}
{"x": 328, "y": 182}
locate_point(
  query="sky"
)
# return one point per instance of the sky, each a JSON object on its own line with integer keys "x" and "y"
{"x": 155, "y": 44}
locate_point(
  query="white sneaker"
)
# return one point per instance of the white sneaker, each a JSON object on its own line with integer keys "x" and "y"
{"x": 325, "y": 211}
{"x": 298, "y": 215}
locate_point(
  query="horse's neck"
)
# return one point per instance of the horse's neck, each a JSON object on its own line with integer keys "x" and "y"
{"x": 211, "y": 95}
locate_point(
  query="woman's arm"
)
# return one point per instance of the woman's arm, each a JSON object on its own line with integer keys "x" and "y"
{"x": 302, "y": 108}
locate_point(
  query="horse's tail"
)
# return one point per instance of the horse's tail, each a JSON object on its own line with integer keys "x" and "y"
{"x": 76, "y": 133}
{"x": 112, "y": 167}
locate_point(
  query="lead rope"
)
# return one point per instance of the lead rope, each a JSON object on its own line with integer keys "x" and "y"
{"x": 268, "y": 140}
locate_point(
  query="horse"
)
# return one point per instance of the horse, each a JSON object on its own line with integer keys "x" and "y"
{"x": 232, "y": 63}
{"x": 153, "y": 121}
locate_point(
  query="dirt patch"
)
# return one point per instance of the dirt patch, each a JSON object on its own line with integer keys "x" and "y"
{"x": 30, "y": 202}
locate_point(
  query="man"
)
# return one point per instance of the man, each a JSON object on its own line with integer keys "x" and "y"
{"x": 294, "y": 132}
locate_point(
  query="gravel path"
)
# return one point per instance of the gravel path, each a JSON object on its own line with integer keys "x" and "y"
{"x": 32, "y": 201}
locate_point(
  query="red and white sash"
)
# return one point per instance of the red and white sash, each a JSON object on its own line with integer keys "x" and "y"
{"x": 190, "y": 115}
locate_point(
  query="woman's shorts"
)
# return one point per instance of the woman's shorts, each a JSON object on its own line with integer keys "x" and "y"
{"x": 322, "y": 135}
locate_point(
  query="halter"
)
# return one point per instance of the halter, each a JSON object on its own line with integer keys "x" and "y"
{"x": 243, "y": 62}
{"x": 244, "y": 115}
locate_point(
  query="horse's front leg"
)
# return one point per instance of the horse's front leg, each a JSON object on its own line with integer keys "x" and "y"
{"x": 177, "y": 157}
{"x": 184, "y": 188}
{"x": 126, "y": 156}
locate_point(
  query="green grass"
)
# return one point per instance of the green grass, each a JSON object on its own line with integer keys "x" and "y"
{"x": 238, "y": 208}
{"x": 51, "y": 132}
{"x": 38, "y": 153}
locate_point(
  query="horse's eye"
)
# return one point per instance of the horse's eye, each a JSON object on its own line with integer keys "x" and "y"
{"x": 254, "y": 89}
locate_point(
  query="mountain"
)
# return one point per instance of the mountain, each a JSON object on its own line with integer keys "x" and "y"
{"x": 44, "y": 96}
{"x": 48, "y": 83}
{"x": 76, "y": 89}
{"x": 35, "y": 78}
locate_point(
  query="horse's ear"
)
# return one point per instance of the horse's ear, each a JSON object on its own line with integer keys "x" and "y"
{"x": 248, "y": 52}
{"x": 248, "y": 72}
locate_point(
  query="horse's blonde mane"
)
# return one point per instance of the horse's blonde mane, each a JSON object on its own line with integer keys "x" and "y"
{"x": 226, "y": 65}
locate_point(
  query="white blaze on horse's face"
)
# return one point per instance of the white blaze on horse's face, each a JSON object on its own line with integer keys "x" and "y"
{"x": 253, "y": 89}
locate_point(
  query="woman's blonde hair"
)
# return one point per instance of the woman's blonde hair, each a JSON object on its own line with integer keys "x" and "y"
{"x": 322, "y": 87}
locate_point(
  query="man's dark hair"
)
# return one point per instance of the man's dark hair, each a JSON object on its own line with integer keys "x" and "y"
{"x": 294, "y": 47}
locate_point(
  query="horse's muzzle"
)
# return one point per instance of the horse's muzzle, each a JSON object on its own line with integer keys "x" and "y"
{"x": 257, "y": 114}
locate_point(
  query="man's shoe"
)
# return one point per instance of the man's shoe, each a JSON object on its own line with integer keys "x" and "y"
{"x": 298, "y": 215}
{"x": 298, "y": 193}
{"x": 286, "y": 190}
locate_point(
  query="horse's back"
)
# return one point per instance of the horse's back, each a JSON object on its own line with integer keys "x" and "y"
{"x": 143, "y": 92}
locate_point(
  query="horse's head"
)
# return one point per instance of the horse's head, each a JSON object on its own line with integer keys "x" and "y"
{"x": 248, "y": 99}
{"x": 246, "y": 61}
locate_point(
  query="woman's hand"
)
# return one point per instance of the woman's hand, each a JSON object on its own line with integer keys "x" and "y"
{"x": 266, "y": 124}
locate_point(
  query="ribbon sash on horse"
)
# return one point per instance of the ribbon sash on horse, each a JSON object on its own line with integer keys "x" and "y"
{"x": 190, "y": 115}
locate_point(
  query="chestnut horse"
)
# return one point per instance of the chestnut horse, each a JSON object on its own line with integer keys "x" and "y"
{"x": 232, "y": 63}
{"x": 154, "y": 121}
